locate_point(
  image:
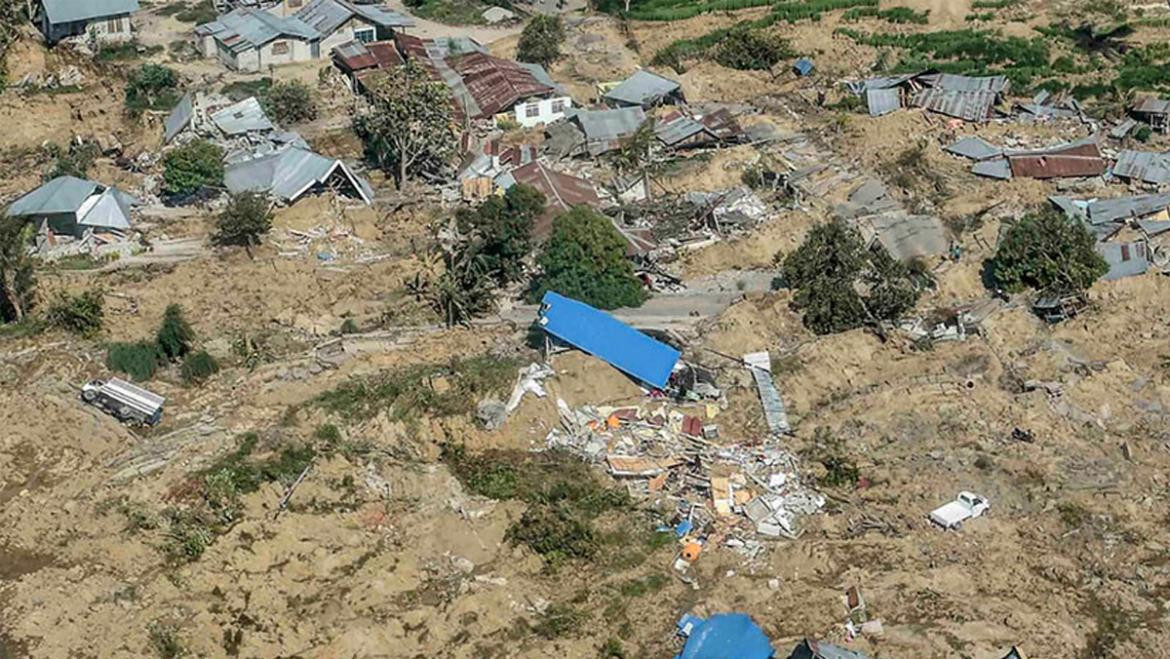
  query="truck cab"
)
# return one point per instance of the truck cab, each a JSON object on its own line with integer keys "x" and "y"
{"x": 965, "y": 506}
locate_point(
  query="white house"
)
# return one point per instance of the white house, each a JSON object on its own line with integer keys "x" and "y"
{"x": 103, "y": 20}
{"x": 537, "y": 111}
{"x": 252, "y": 40}
{"x": 341, "y": 21}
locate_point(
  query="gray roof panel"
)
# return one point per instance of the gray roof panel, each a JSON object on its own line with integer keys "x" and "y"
{"x": 289, "y": 173}
{"x": 1143, "y": 166}
{"x": 642, "y": 88}
{"x": 994, "y": 168}
{"x": 1124, "y": 259}
{"x": 67, "y": 11}
{"x": 245, "y": 28}
{"x": 975, "y": 148}
{"x": 883, "y": 100}
{"x": 243, "y": 117}
{"x": 610, "y": 124}
{"x": 64, "y": 194}
{"x": 326, "y": 16}
{"x": 179, "y": 118}
{"x": 678, "y": 130}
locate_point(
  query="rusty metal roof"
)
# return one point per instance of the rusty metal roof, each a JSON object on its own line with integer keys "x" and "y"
{"x": 496, "y": 84}
{"x": 357, "y": 56}
{"x": 966, "y": 105}
{"x": 561, "y": 192}
{"x": 1057, "y": 166}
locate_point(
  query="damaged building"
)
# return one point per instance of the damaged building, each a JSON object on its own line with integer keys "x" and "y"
{"x": 969, "y": 98}
{"x": 644, "y": 89}
{"x": 74, "y": 215}
{"x": 291, "y": 172}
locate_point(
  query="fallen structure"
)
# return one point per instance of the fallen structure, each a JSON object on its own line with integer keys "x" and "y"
{"x": 293, "y": 171}
{"x": 963, "y": 97}
{"x": 1133, "y": 233}
{"x": 881, "y": 220}
{"x": 591, "y": 132}
{"x": 810, "y": 649}
{"x": 75, "y": 216}
{"x": 562, "y": 192}
{"x": 645, "y": 89}
{"x": 1079, "y": 159}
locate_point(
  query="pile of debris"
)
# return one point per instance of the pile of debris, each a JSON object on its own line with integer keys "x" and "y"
{"x": 1132, "y": 232}
{"x": 1079, "y": 159}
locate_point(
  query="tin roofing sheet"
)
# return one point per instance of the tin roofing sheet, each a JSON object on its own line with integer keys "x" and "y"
{"x": 966, "y": 105}
{"x": 642, "y": 88}
{"x": 326, "y": 16}
{"x": 68, "y": 11}
{"x": 246, "y": 27}
{"x": 1143, "y": 166}
{"x": 881, "y": 101}
{"x": 496, "y": 84}
{"x": 975, "y": 148}
{"x": 179, "y": 118}
{"x": 289, "y": 173}
{"x": 1124, "y": 259}
{"x": 242, "y": 117}
{"x": 1057, "y": 166}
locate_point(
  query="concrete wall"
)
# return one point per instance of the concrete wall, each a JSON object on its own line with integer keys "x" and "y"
{"x": 534, "y": 112}
{"x": 106, "y": 30}
{"x": 346, "y": 33}
{"x": 255, "y": 60}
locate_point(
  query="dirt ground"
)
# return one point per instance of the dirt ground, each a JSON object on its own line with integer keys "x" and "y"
{"x": 383, "y": 552}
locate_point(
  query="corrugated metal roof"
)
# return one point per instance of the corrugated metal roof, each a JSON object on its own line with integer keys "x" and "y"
{"x": 1057, "y": 166}
{"x": 1088, "y": 146}
{"x": 822, "y": 650}
{"x": 1124, "y": 259}
{"x": 245, "y": 28}
{"x": 242, "y": 117}
{"x": 1143, "y": 166}
{"x": 960, "y": 83}
{"x": 67, "y": 11}
{"x": 64, "y": 194}
{"x": 906, "y": 236}
{"x": 325, "y": 16}
{"x": 975, "y": 148}
{"x": 496, "y": 84}
{"x": 880, "y": 101}
{"x": 880, "y": 82}
{"x": 1122, "y": 129}
{"x": 603, "y": 128}
{"x": 677, "y": 129}
{"x": 643, "y": 88}
{"x": 994, "y": 168}
{"x": 1100, "y": 211}
{"x": 722, "y": 124}
{"x": 1150, "y": 105}
{"x": 607, "y": 338}
{"x": 354, "y": 56}
{"x": 561, "y": 192}
{"x": 543, "y": 77}
{"x": 107, "y": 210}
{"x": 966, "y": 105}
{"x": 289, "y": 173}
{"x": 179, "y": 118}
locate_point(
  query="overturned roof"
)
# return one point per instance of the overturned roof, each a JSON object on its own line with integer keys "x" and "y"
{"x": 246, "y": 28}
{"x": 243, "y": 117}
{"x": 998, "y": 168}
{"x": 607, "y": 338}
{"x": 1143, "y": 166}
{"x": 179, "y": 118}
{"x": 643, "y": 88}
{"x": 561, "y": 193}
{"x": 975, "y": 148}
{"x": 291, "y": 172}
{"x": 496, "y": 84}
{"x": 1124, "y": 259}
{"x": 881, "y": 82}
{"x": 1057, "y": 166}
{"x": 1123, "y": 208}
{"x": 974, "y": 105}
{"x": 883, "y": 100}
{"x": 68, "y": 11}
{"x": 326, "y": 16}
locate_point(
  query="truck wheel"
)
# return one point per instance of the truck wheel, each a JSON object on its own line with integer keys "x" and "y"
{"x": 89, "y": 396}
{"x": 123, "y": 412}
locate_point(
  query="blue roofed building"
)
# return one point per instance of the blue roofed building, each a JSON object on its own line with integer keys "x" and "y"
{"x": 593, "y": 331}
{"x": 102, "y": 20}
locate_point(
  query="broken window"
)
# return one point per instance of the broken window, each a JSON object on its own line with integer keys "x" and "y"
{"x": 280, "y": 48}
{"x": 532, "y": 110}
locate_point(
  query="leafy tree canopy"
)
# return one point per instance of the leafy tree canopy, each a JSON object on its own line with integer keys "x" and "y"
{"x": 501, "y": 227}
{"x": 541, "y": 40}
{"x": 585, "y": 259}
{"x": 192, "y": 166}
{"x": 1049, "y": 252}
{"x": 243, "y": 221}
{"x": 290, "y": 102}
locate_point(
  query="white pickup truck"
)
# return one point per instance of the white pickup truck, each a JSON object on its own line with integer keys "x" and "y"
{"x": 966, "y": 506}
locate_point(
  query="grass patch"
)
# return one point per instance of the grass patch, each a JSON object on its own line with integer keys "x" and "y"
{"x": 435, "y": 390}
{"x": 640, "y": 587}
{"x": 140, "y": 359}
{"x": 560, "y": 620}
{"x": 241, "y": 89}
{"x": 451, "y": 12}
{"x": 125, "y": 51}
{"x": 164, "y": 639}
{"x": 897, "y": 15}
{"x": 197, "y": 367}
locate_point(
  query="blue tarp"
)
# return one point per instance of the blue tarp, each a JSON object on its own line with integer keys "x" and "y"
{"x": 803, "y": 67}
{"x": 606, "y": 337}
{"x": 724, "y": 636}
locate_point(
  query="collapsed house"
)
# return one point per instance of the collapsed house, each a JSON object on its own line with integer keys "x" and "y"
{"x": 240, "y": 127}
{"x": 881, "y": 220}
{"x": 358, "y": 61}
{"x": 1153, "y": 111}
{"x": 645, "y": 89}
{"x": 1043, "y": 106}
{"x": 293, "y": 171}
{"x": 591, "y": 132}
{"x": 251, "y": 39}
{"x": 1079, "y": 159}
{"x": 104, "y": 21}
{"x": 562, "y": 192}
{"x": 963, "y": 97}
{"x": 74, "y": 215}
{"x": 677, "y": 130}
{"x": 1132, "y": 233}
{"x": 1143, "y": 167}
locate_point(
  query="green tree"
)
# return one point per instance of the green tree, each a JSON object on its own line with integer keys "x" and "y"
{"x": 501, "y": 229}
{"x": 831, "y": 269}
{"x": 198, "y": 366}
{"x": 191, "y": 167}
{"x": 290, "y": 102}
{"x": 541, "y": 40}
{"x": 751, "y": 50}
{"x": 174, "y": 336}
{"x": 151, "y": 87}
{"x": 247, "y": 217}
{"x": 633, "y": 154}
{"x": 585, "y": 259}
{"x": 409, "y": 130}
{"x": 17, "y": 281}
{"x": 1049, "y": 252}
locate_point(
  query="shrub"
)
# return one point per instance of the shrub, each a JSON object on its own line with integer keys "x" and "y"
{"x": 191, "y": 167}
{"x": 828, "y": 270}
{"x": 290, "y": 102}
{"x": 80, "y": 314}
{"x": 17, "y": 276}
{"x": 246, "y": 218}
{"x": 1143, "y": 134}
{"x": 1050, "y": 252}
{"x": 349, "y": 326}
{"x": 585, "y": 259}
{"x": 174, "y": 336}
{"x": 500, "y": 230}
{"x": 198, "y": 366}
{"x": 139, "y": 360}
{"x": 72, "y": 161}
{"x": 541, "y": 40}
{"x": 751, "y": 50}
{"x": 151, "y": 87}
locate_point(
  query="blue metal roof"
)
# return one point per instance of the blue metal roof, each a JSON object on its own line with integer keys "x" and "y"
{"x": 606, "y": 337}
{"x": 727, "y": 636}
{"x": 803, "y": 66}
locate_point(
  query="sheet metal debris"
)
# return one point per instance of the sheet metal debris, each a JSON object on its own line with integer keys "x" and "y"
{"x": 760, "y": 365}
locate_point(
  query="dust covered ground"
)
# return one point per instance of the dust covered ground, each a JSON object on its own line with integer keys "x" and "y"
{"x": 389, "y": 547}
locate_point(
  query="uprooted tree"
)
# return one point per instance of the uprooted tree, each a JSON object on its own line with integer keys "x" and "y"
{"x": 1049, "y": 252}
{"x": 841, "y": 285}
{"x": 540, "y": 42}
{"x": 17, "y": 280}
{"x": 585, "y": 259}
{"x": 408, "y": 131}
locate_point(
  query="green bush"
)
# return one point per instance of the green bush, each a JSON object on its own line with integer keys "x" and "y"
{"x": 541, "y": 40}
{"x": 501, "y": 230}
{"x": 751, "y": 50}
{"x": 80, "y": 314}
{"x": 72, "y": 161}
{"x": 585, "y": 259}
{"x": 1049, "y": 252}
{"x": 151, "y": 87}
{"x": 290, "y": 102}
{"x": 1143, "y": 134}
{"x": 247, "y": 217}
{"x": 174, "y": 336}
{"x": 139, "y": 360}
{"x": 198, "y": 366}
{"x": 191, "y": 167}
